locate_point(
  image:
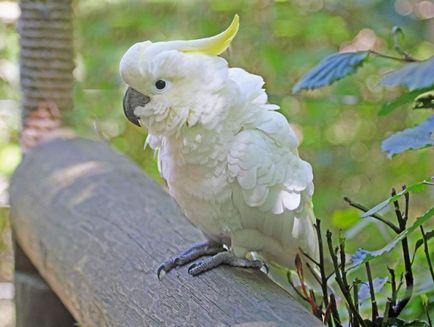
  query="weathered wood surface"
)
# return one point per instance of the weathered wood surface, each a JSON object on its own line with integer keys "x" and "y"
{"x": 97, "y": 228}
{"x": 36, "y": 304}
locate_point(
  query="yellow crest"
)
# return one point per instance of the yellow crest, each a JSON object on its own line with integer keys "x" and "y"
{"x": 213, "y": 45}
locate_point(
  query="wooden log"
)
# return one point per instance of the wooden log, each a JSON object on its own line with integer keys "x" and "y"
{"x": 97, "y": 228}
{"x": 36, "y": 304}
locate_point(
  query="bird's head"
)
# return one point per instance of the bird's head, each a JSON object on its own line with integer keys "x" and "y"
{"x": 176, "y": 83}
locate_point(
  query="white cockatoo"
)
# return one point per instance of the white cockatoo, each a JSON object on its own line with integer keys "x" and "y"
{"x": 229, "y": 158}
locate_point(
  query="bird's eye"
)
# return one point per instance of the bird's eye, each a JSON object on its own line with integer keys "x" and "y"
{"x": 160, "y": 84}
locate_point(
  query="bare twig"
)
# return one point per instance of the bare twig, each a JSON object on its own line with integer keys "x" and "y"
{"x": 314, "y": 273}
{"x": 428, "y": 315}
{"x": 386, "y": 313}
{"x": 309, "y": 257}
{"x": 356, "y": 293}
{"x": 343, "y": 261}
{"x": 401, "y": 282}
{"x": 327, "y": 315}
{"x": 343, "y": 286}
{"x": 407, "y": 203}
{"x": 392, "y": 57}
{"x": 316, "y": 310}
{"x": 426, "y": 250}
{"x": 288, "y": 276}
{"x": 372, "y": 293}
{"x": 321, "y": 262}
{"x": 335, "y": 312}
{"x": 300, "y": 274}
{"x": 393, "y": 285}
{"x": 330, "y": 275}
{"x": 376, "y": 216}
{"x": 408, "y": 275}
{"x": 396, "y": 32}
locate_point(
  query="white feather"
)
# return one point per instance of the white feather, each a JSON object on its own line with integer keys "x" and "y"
{"x": 229, "y": 159}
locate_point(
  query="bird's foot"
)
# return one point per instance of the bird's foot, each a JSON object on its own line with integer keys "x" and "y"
{"x": 196, "y": 251}
{"x": 224, "y": 258}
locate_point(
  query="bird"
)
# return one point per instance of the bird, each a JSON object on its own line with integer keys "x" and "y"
{"x": 229, "y": 157}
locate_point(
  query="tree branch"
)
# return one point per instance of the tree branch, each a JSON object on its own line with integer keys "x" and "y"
{"x": 376, "y": 216}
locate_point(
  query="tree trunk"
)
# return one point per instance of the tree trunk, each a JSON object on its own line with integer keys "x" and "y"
{"x": 46, "y": 65}
{"x": 47, "y": 56}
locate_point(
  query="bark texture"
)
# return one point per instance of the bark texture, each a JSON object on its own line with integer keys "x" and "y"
{"x": 47, "y": 56}
{"x": 97, "y": 228}
{"x": 35, "y": 302}
{"x": 46, "y": 65}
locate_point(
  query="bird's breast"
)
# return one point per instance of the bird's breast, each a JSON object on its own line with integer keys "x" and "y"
{"x": 195, "y": 169}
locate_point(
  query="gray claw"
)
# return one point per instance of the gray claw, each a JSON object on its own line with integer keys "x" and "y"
{"x": 196, "y": 251}
{"x": 224, "y": 258}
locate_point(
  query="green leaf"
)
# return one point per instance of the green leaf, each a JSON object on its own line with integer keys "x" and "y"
{"x": 405, "y": 98}
{"x": 424, "y": 101}
{"x": 414, "y": 76}
{"x": 417, "y": 187}
{"x": 362, "y": 255}
{"x": 411, "y": 138}
{"x": 331, "y": 69}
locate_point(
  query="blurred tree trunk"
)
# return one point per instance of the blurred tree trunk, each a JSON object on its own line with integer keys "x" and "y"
{"x": 47, "y": 55}
{"x": 46, "y": 65}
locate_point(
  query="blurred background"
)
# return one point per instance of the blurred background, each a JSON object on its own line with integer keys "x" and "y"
{"x": 339, "y": 126}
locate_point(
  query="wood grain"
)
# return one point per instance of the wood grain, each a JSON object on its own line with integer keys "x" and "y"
{"x": 97, "y": 228}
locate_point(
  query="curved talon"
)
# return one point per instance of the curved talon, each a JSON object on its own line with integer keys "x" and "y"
{"x": 159, "y": 270}
{"x": 194, "y": 265}
{"x": 196, "y": 251}
{"x": 265, "y": 266}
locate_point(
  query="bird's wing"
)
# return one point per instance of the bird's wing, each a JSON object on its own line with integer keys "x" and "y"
{"x": 265, "y": 163}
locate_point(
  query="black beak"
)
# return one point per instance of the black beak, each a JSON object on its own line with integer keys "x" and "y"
{"x": 132, "y": 100}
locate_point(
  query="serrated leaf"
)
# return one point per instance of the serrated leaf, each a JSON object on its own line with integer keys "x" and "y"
{"x": 417, "y": 75}
{"x": 416, "y": 187}
{"x": 362, "y": 255}
{"x": 424, "y": 101}
{"x": 411, "y": 138}
{"x": 331, "y": 69}
{"x": 405, "y": 98}
{"x": 364, "y": 292}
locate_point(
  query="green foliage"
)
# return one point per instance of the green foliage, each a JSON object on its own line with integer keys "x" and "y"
{"x": 411, "y": 138}
{"x": 417, "y": 76}
{"x": 419, "y": 243}
{"x": 417, "y": 187}
{"x": 330, "y": 70}
{"x": 404, "y": 99}
{"x": 362, "y": 256}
